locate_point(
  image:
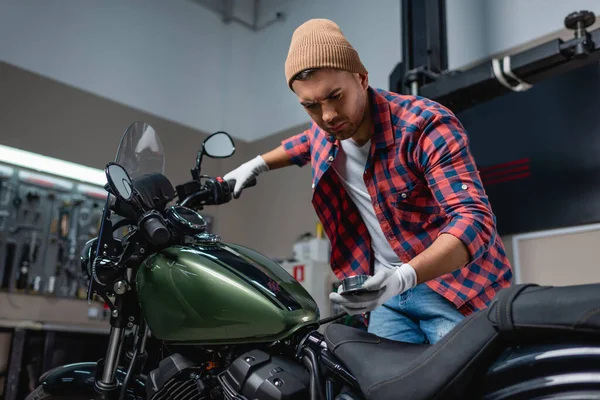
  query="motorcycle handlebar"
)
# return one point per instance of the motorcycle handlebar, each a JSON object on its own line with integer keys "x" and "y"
{"x": 250, "y": 183}
{"x": 215, "y": 191}
{"x": 156, "y": 231}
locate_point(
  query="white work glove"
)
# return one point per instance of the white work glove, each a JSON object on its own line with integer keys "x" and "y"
{"x": 382, "y": 286}
{"x": 245, "y": 172}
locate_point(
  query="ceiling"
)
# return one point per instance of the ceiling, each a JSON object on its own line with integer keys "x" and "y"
{"x": 255, "y": 15}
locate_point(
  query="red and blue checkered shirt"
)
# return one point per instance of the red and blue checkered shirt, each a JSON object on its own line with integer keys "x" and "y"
{"x": 423, "y": 182}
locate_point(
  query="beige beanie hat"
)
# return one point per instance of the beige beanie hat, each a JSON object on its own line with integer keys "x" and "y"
{"x": 319, "y": 43}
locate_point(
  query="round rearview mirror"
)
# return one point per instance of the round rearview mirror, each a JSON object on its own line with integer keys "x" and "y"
{"x": 119, "y": 181}
{"x": 218, "y": 145}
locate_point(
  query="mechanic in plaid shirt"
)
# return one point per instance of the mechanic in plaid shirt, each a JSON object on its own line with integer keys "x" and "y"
{"x": 396, "y": 189}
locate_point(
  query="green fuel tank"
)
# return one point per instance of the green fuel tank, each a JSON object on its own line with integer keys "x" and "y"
{"x": 220, "y": 293}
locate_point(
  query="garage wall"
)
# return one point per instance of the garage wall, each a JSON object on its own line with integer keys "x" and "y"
{"x": 563, "y": 259}
{"x": 177, "y": 60}
{"x": 162, "y": 57}
{"x": 279, "y": 208}
{"x": 47, "y": 117}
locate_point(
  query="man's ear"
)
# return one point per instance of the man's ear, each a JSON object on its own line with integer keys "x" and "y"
{"x": 364, "y": 80}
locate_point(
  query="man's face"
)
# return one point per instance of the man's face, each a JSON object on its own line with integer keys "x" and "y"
{"x": 335, "y": 100}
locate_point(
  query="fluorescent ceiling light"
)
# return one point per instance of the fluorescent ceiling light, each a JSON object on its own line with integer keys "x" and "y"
{"x": 50, "y": 165}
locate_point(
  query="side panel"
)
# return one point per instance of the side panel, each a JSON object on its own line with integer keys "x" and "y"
{"x": 220, "y": 294}
{"x": 531, "y": 371}
{"x": 79, "y": 379}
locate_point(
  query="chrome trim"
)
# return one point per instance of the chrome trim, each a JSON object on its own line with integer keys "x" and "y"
{"x": 110, "y": 365}
{"x": 207, "y": 238}
{"x": 198, "y": 227}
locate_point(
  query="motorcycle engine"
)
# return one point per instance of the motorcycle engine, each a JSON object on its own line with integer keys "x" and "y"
{"x": 257, "y": 375}
{"x": 176, "y": 378}
{"x": 253, "y": 375}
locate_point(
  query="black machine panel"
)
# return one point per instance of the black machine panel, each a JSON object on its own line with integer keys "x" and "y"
{"x": 539, "y": 152}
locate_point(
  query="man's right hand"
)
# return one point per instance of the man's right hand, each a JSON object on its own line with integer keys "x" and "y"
{"x": 245, "y": 172}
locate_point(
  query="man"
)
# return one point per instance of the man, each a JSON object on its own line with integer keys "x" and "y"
{"x": 396, "y": 189}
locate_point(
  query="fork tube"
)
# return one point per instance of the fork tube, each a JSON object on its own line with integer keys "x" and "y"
{"x": 110, "y": 365}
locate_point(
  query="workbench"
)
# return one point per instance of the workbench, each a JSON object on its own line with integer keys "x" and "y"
{"x": 23, "y": 313}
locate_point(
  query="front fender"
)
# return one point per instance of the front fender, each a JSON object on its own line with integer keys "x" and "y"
{"x": 79, "y": 378}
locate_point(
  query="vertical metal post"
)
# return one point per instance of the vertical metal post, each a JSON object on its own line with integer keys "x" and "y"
{"x": 227, "y": 10}
{"x": 15, "y": 364}
{"x": 424, "y": 44}
{"x": 48, "y": 350}
{"x": 414, "y": 88}
{"x": 437, "y": 42}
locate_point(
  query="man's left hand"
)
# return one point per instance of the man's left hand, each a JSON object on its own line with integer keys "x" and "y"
{"x": 381, "y": 287}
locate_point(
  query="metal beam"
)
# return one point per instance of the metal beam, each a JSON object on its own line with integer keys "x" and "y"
{"x": 424, "y": 44}
{"x": 460, "y": 90}
{"x": 490, "y": 79}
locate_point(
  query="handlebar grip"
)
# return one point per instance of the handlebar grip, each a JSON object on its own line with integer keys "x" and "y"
{"x": 158, "y": 234}
{"x": 250, "y": 183}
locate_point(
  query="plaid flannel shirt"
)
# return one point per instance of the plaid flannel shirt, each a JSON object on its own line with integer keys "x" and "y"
{"x": 423, "y": 182}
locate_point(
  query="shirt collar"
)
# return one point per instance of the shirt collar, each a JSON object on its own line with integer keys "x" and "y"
{"x": 383, "y": 134}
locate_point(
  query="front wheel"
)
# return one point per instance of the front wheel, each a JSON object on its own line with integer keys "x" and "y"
{"x": 40, "y": 394}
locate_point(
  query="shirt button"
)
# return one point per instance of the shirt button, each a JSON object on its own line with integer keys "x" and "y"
{"x": 330, "y": 158}
{"x": 313, "y": 185}
{"x": 404, "y": 195}
{"x": 464, "y": 187}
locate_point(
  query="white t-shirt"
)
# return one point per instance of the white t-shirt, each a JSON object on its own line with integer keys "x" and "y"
{"x": 349, "y": 164}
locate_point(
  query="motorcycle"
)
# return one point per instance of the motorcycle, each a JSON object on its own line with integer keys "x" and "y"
{"x": 229, "y": 323}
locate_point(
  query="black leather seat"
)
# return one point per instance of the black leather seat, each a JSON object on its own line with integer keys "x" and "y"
{"x": 387, "y": 369}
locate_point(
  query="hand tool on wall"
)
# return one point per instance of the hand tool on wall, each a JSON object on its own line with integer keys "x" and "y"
{"x": 28, "y": 254}
{"x": 47, "y": 238}
{"x": 7, "y": 243}
{"x": 28, "y": 257}
{"x": 62, "y": 226}
{"x": 72, "y": 267}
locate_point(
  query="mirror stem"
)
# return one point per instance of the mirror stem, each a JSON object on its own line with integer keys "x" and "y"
{"x": 196, "y": 171}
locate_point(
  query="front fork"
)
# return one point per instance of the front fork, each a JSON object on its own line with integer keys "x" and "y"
{"x": 111, "y": 361}
{"x": 122, "y": 317}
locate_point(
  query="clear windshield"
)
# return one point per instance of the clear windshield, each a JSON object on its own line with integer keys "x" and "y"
{"x": 141, "y": 151}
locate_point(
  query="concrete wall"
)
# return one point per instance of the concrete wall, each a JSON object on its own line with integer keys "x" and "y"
{"x": 47, "y": 117}
{"x": 161, "y": 57}
{"x": 177, "y": 60}
{"x": 279, "y": 208}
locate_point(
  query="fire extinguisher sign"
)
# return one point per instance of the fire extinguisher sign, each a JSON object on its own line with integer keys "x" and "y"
{"x": 298, "y": 273}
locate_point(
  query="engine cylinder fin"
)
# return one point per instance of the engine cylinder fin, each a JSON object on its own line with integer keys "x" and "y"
{"x": 175, "y": 389}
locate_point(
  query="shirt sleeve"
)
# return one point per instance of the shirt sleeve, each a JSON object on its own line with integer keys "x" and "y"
{"x": 445, "y": 159}
{"x": 298, "y": 148}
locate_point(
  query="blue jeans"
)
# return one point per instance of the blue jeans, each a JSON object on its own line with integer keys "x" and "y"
{"x": 419, "y": 315}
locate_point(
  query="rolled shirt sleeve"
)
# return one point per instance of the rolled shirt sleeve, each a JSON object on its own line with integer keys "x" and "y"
{"x": 298, "y": 148}
{"x": 450, "y": 171}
